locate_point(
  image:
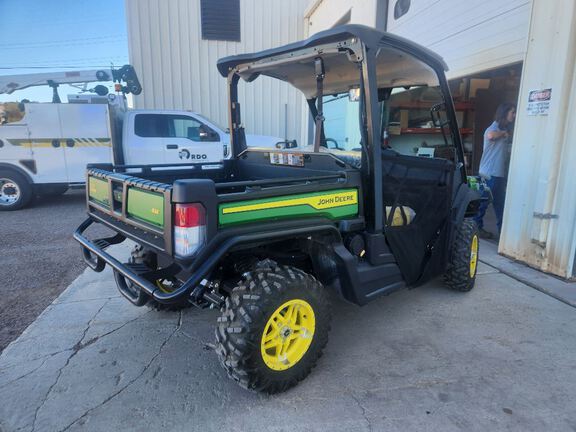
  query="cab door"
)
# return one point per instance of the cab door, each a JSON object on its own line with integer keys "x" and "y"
{"x": 172, "y": 138}
{"x": 144, "y": 139}
{"x": 192, "y": 141}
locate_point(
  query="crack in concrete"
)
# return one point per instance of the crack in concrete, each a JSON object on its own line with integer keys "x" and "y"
{"x": 132, "y": 381}
{"x": 205, "y": 345}
{"x": 66, "y": 302}
{"x": 78, "y": 346}
{"x": 59, "y": 374}
{"x": 27, "y": 373}
{"x": 366, "y": 419}
{"x": 81, "y": 345}
{"x": 43, "y": 356}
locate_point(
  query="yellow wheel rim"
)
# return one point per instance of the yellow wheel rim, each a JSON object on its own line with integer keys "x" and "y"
{"x": 473, "y": 256}
{"x": 165, "y": 285}
{"x": 288, "y": 335}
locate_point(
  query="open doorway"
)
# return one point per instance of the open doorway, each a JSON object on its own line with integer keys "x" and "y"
{"x": 409, "y": 129}
{"x": 480, "y": 95}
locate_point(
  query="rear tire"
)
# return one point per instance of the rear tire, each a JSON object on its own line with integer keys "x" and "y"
{"x": 273, "y": 328}
{"x": 463, "y": 264}
{"x": 139, "y": 255}
{"x": 15, "y": 191}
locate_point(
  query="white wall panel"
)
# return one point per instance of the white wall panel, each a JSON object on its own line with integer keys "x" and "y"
{"x": 177, "y": 68}
{"x": 471, "y": 36}
{"x": 540, "y": 213}
{"x": 324, "y": 14}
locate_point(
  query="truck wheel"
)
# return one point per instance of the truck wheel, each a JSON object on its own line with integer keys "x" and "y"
{"x": 462, "y": 267}
{"x": 139, "y": 255}
{"x": 15, "y": 191}
{"x": 273, "y": 328}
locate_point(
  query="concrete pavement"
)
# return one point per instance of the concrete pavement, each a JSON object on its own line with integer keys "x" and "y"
{"x": 502, "y": 357}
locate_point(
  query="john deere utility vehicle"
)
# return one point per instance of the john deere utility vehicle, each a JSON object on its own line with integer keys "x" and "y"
{"x": 266, "y": 235}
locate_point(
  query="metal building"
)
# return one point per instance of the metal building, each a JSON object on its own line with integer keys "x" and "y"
{"x": 496, "y": 51}
{"x": 174, "y": 46}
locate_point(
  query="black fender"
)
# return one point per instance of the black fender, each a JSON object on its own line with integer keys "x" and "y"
{"x": 465, "y": 204}
{"x": 202, "y": 264}
{"x": 17, "y": 169}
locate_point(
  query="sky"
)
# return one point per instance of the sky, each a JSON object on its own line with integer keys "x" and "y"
{"x": 39, "y": 36}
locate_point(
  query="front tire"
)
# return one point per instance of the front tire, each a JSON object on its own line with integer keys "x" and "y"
{"x": 273, "y": 328}
{"x": 463, "y": 264}
{"x": 15, "y": 191}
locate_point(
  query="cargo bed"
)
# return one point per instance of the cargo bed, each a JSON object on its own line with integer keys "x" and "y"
{"x": 138, "y": 201}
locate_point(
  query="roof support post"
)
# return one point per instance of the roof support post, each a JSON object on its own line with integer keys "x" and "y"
{"x": 237, "y": 136}
{"x": 369, "y": 92}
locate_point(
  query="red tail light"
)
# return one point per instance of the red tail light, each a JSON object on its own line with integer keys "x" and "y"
{"x": 189, "y": 215}
{"x": 189, "y": 228}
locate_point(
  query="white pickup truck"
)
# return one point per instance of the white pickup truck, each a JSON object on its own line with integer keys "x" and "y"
{"x": 47, "y": 151}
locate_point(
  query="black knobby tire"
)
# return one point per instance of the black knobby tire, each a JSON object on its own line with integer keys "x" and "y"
{"x": 24, "y": 190}
{"x": 244, "y": 317}
{"x": 459, "y": 275}
{"x": 139, "y": 255}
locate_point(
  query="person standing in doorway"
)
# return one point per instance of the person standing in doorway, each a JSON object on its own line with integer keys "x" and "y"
{"x": 494, "y": 163}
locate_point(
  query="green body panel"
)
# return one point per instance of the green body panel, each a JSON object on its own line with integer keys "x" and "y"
{"x": 145, "y": 206}
{"x": 98, "y": 191}
{"x": 291, "y": 206}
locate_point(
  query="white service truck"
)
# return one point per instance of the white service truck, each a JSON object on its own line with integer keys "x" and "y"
{"x": 47, "y": 151}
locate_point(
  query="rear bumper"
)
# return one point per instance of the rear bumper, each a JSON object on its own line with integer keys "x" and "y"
{"x": 96, "y": 258}
{"x": 202, "y": 264}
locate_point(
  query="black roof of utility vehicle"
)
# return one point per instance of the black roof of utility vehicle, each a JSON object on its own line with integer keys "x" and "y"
{"x": 370, "y": 37}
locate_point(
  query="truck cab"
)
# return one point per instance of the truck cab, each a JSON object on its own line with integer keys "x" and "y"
{"x": 171, "y": 137}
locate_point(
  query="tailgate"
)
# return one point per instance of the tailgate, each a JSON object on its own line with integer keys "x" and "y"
{"x": 137, "y": 208}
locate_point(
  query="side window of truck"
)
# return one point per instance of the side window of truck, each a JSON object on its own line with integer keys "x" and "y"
{"x": 187, "y": 127}
{"x": 173, "y": 126}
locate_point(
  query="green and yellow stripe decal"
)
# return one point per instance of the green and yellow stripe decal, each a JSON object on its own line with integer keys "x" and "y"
{"x": 334, "y": 204}
{"x": 47, "y": 142}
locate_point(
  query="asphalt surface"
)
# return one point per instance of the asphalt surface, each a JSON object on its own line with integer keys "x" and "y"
{"x": 38, "y": 258}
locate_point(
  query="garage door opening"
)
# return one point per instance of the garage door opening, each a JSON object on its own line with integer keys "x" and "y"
{"x": 479, "y": 96}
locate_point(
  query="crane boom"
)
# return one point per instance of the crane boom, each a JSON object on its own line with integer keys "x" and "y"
{"x": 11, "y": 83}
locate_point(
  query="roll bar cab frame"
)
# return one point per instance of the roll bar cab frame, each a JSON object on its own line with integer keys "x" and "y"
{"x": 361, "y": 44}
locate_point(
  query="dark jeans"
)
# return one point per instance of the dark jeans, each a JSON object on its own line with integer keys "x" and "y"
{"x": 498, "y": 187}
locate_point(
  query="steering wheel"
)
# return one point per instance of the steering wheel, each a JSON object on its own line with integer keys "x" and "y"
{"x": 336, "y": 145}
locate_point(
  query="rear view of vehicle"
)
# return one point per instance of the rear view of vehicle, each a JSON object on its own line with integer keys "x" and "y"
{"x": 267, "y": 235}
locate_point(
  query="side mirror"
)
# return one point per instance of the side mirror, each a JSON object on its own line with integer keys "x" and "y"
{"x": 438, "y": 114}
{"x": 286, "y": 144}
{"x": 354, "y": 95}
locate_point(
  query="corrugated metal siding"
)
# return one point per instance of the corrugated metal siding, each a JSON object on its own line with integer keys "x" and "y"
{"x": 541, "y": 180}
{"x": 177, "y": 68}
{"x": 472, "y": 36}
